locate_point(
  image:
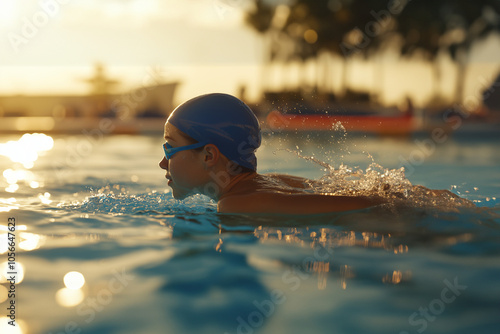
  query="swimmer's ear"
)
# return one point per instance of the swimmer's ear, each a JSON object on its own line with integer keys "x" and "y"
{"x": 211, "y": 155}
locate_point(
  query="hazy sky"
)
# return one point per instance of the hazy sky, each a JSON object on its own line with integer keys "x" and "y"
{"x": 182, "y": 37}
{"x": 49, "y": 46}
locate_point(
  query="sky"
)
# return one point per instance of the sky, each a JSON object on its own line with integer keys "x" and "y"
{"x": 198, "y": 42}
{"x": 51, "y": 46}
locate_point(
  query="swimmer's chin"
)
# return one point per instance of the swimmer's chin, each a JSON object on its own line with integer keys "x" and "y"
{"x": 179, "y": 195}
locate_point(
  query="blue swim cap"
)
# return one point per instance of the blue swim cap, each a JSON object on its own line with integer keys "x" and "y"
{"x": 222, "y": 120}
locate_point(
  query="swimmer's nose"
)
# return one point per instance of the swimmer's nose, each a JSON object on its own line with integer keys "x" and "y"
{"x": 163, "y": 163}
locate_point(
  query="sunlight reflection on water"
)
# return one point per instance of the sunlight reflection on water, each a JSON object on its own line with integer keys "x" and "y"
{"x": 69, "y": 297}
{"x": 112, "y": 217}
{"x": 23, "y": 153}
{"x": 27, "y": 148}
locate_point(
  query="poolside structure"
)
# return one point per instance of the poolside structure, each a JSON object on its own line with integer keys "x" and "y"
{"x": 71, "y": 113}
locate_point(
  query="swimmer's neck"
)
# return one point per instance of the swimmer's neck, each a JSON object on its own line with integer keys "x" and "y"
{"x": 230, "y": 186}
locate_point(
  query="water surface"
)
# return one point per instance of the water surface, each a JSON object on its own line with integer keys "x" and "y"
{"x": 152, "y": 264}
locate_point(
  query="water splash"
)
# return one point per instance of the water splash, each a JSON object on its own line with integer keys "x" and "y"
{"x": 379, "y": 181}
{"x": 147, "y": 203}
{"x": 311, "y": 158}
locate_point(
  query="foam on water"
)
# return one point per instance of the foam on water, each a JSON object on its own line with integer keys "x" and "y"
{"x": 106, "y": 201}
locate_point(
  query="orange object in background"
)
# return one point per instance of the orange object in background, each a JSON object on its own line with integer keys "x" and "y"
{"x": 378, "y": 124}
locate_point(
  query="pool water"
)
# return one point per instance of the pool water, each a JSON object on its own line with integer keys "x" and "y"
{"x": 102, "y": 247}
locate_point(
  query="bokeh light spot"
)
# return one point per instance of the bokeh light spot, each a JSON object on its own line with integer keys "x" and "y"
{"x": 74, "y": 280}
{"x": 68, "y": 297}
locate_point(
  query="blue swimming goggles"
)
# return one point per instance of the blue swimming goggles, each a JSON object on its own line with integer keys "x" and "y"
{"x": 170, "y": 151}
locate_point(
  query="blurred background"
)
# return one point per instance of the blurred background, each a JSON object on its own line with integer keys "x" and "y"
{"x": 379, "y": 66}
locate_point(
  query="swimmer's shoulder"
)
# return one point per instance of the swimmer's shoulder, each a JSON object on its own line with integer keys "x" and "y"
{"x": 290, "y": 180}
{"x": 251, "y": 183}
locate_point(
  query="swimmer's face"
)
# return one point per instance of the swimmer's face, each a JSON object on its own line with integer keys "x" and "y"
{"x": 185, "y": 171}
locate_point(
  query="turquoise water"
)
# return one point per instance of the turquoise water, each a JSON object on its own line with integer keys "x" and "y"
{"x": 99, "y": 206}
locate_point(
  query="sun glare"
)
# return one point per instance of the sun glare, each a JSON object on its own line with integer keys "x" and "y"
{"x": 69, "y": 298}
{"x": 74, "y": 280}
{"x": 26, "y": 149}
{"x": 5, "y": 327}
{"x": 72, "y": 294}
{"x": 6, "y": 270}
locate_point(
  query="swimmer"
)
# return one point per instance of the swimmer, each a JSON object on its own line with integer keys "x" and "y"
{"x": 210, "y": 149}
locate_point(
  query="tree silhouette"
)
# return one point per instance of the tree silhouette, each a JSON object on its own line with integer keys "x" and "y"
{"x": 453, "y": 26}
{"x": 364, "y": 27}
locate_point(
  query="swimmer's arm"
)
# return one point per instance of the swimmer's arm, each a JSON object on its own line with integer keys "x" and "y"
{"x": 294, "y": 203}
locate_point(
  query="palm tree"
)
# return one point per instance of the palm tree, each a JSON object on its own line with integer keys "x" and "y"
{"x": 453, "y": 26}
{"x": 364, "y": 27}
